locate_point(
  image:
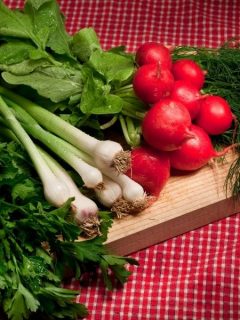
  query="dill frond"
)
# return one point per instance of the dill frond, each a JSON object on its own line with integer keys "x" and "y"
{"x": 223, "y": 79}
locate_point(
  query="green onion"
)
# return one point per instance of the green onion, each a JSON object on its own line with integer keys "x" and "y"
{"x": 106, "y": 153}
{"x": 90, "y": 175}
{"x": 55, "y": 191}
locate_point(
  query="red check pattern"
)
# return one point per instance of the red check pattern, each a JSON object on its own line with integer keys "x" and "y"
{"x": 195, "y": 276}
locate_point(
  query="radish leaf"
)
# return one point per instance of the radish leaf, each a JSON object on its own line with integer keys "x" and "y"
{"x": 49, "y": 82}
{"x": 96, "y": 98}
{"x": 115, "y": 68}
{"x": 14, "y": 23}
{"x": 84, "y": 43}
{"x": 14, "y": 52}
{"x": 48, "y": 25}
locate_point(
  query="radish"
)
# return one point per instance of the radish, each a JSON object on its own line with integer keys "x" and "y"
{"x": 152, "y": 52}
{"x": 195, "y": 152}
{"x": 215, "y": 115}
{"x": 166, "y": 125}
{"x": 189, "y": 95}
{"x": 189, "y": 70}
{"x": 152, "y": 82}
{"x": 150, "y": 168}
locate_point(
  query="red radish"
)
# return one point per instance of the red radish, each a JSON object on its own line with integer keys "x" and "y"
{"x": 195, "y": 152}
{"x": 166, "y": 125}
{"x": 150, "y": 168}
{"x": 189, "y": 95}
{"x": 189, "y": 70}
{"x": 215, "y": 115}
{"x": 152, "y": 82}
{"x": 152, "y": 52}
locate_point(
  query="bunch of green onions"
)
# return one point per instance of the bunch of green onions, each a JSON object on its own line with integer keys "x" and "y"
{"x": 100, "y": 164}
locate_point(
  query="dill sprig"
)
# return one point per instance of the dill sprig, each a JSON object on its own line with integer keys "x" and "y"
{"x": 233, "y": 178}
{"x": 223, "y": 79}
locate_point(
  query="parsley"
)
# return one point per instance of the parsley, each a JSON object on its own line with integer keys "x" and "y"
{"x": 33, "y": 257}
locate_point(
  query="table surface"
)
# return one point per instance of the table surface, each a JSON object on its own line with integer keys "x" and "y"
{"x": 194, "y": 276}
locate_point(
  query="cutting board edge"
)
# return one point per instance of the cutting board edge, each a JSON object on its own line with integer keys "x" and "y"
{"x": 174, "y": 227}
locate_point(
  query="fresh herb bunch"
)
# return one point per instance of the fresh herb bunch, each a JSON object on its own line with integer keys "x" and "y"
{"x": 223, "y": 79}
{"x": 38, "y": 244}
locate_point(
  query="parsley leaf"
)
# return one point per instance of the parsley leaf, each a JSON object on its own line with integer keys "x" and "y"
{"x": 38, "y": 243}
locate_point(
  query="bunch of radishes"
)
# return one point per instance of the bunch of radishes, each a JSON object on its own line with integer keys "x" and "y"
{"x": 178, "y": 126}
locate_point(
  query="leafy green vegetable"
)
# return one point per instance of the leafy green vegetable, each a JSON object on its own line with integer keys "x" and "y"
{"x": 24, "y": 68}
{"x": 114, "y": 67}
{"x": 48, "y": 81}
{"x": 33, "y": 258}
{"x": 14, "y": 52}
{"x": 48, "y": 25}
{"x": 14, "y": 23}
{"x": 97, "y": 99}
{"x": 84, "y": 43}
{"x": 38, "y": 53}
{"x": 41, "y": 22}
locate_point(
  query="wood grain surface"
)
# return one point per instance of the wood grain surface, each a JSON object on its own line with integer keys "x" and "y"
{"x": 186, "y": 203}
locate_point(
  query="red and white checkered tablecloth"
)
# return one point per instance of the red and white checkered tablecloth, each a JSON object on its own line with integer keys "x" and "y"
{"x": 195, "y": 276}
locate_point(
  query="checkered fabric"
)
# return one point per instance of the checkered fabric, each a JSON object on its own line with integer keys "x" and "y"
{"x": 194, "y": 276}
{"x": 131, "y": 22}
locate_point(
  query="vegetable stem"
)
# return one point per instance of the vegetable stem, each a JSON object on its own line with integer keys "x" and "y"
{"x": 55, "y": 191}
{"x": 109, "y": 123}
{"x": 105, "y": 152}
{"x": 90, "y": 175}
{"x": 7, "y": 133}
{"x": 131, "y": 133}
{"x": 84, "y": 209}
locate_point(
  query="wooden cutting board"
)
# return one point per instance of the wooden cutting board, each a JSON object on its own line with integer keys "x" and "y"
{"x": 186, "y": 203}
